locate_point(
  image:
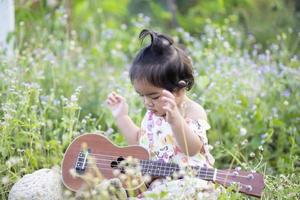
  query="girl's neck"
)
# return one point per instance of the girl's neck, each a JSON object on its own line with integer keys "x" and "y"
{"x": 182, "y": 105}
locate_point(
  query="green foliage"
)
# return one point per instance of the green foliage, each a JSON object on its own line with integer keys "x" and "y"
{"x": 55, "y": 87}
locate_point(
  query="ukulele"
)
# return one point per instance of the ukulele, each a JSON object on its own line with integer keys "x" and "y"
{"x": 107, "y": 157}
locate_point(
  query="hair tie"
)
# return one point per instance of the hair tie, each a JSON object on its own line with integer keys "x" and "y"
{"x": 182, "y": 83}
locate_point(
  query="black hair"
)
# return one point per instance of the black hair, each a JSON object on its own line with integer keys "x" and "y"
{"x": 162, "y": 64}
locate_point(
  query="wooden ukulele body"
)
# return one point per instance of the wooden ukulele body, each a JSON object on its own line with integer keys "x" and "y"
{"x": 98, "y": 144}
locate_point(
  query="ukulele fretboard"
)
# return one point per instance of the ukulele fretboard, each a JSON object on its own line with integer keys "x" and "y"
{"x": 157, "y": 168}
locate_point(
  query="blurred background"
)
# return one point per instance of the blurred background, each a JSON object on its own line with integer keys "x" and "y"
{"x": 265, "y": 20}
{"x": 66, "y": 56}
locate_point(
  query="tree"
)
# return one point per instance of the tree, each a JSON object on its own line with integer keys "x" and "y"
{"x": 7, "y": 24}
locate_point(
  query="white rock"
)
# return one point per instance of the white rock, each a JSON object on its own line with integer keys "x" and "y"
{"x": 43, "y": 184}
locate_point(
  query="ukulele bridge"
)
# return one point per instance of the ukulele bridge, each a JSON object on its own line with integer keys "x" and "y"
{"x": 81, "y": 162}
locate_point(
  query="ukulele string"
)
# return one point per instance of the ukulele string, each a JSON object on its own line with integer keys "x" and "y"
{"x": 155, "y": 166}
{"x": 220, "y": 172}
{"x": 159, "y": 169}
{"x": 110, "y": 154}
{"x": 145, "y": 170}
{"x": 221, "y": 179}
{"x": 158, "y": 165}
{"x": 99, "y": 165}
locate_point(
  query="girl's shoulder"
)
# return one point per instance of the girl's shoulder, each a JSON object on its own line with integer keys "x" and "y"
{"x": 195, "y": 111}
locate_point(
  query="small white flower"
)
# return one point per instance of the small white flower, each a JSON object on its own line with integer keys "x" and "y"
{"x": 116, "y": 172}
{"x": 243, "y": 131}
{"x": 238, "y": 101}
{"x": 244, "y": 142}
{"x": 74, "y": 98}
{"x": 123, "y": 177}
{"x": 13, "y": 161}
{"x": 52, "y": 3}
{"x": 263, "y": 135}
{"x": 135, "y": 182}
{"x": 67, "y": 193}
{"x": 123, "y": 26}
{"x": 73, "y": 172}
{"x": 226, "y": 45}
{"x": 5, "y": 180}
{"x": 108, "y": 132}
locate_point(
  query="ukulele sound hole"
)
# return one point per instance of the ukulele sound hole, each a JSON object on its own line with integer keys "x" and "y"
{"x": 115, "y": 164}
{"x": 120, "y": 159}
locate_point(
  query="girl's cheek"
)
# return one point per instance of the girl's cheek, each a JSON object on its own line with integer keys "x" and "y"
{"x": 161, "y": 105}
{"x": 159, "y": 102}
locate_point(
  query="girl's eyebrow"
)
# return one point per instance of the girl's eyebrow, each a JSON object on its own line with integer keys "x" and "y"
{"x": 148, "y": 94}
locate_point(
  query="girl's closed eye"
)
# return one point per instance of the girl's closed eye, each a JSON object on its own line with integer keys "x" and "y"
{"x": 155, "y": 98}
{"x": 151, "y": 97}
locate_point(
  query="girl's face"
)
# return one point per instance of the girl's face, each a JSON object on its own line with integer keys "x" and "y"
{"x": 152, "y": 97}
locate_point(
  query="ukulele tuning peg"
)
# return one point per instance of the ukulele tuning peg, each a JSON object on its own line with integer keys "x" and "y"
{"x": 235, "y": 173}
{"x": 249, "y": 188}
{"x": 238, "y": 168}
{"x": 250, "y": 176}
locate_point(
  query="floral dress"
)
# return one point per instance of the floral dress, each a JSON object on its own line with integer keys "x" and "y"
{"x": 157, "y": 137}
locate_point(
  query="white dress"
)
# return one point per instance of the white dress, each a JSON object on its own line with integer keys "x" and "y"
{"x": 157, "y": 137}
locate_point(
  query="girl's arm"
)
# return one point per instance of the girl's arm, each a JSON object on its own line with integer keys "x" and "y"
{"x": 119, "y": 109}
{"x": 189, "y": 142}
{"x": 128, "y": 129}
{"x": 182, "y": 133}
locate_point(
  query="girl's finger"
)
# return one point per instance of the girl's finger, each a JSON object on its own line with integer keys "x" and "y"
{"x": 111, "y": 95}
{"x": 169, "y": 101}
{"x": 118, "y": 97}
{"x": 168, "y": 94}
{"x": 113, "y": 99}
{"x": 167, "y": 109}
{"x": 109, "y": 102}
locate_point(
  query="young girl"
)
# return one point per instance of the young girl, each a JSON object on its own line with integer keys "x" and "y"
{"x": 174, "y": 126}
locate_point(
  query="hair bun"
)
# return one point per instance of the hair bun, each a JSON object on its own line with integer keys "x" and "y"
{"x": 159, "y": 42}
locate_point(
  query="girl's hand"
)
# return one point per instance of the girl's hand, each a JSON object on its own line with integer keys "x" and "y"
{"x": 117, "y": 105}
{"x": 170, "y": 106}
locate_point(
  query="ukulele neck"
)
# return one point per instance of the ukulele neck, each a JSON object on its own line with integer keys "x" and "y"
{"x": 162, "y": 169}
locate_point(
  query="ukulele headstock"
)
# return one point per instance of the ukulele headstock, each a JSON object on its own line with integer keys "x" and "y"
{"x": 251, "y": 183}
